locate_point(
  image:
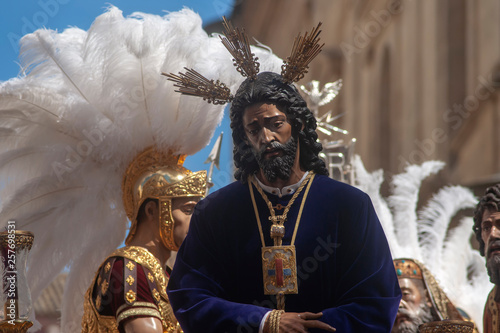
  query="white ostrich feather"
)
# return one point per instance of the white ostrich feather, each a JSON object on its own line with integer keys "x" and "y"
{"x": 370, "y": 183}
{"x": 446, "y": 252}
{"x": 462, "y": 273}
{"x": 404, "y": 200}
{"x": 435, "y": 218}
{"x": 87, "y": 104}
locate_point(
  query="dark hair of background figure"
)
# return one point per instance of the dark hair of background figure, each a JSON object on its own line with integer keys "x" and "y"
{"x": 490, "y": 200}
{"x": 270, "y": 88}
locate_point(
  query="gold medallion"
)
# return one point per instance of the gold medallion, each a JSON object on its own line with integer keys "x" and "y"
{"x": 279, "y": 268}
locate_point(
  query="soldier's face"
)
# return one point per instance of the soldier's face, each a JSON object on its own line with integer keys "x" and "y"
{"x": 182, "y": 210}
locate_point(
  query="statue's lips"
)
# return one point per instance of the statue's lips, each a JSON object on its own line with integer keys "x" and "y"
{"x": 271, "y": 153}
{"x": 494, "y": 249}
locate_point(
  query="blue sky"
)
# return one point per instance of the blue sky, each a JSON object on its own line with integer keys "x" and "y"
{"x": 18, "y": 18}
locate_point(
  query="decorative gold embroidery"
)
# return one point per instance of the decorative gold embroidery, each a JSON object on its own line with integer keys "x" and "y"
{"x": 130, "y": 265}
{"x": 130, "y": 280}
{"x": 104, "y": 286}
{"x": 150, "y": 277}
{"x": 99, "y": 281}
{"x": 130, "y": 296}
{"x": 98, "y": 302}
{"x": 156, "y": 295}
{"x": 136, "y": 304}
{"x": 93, "y": 322}
{"x": 138, "y": 311}
{"x": 107, "y": 267}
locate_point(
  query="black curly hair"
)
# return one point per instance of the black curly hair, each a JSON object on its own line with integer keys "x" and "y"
{"x": 490, "y": 200}
{"x": 269, "y": 87}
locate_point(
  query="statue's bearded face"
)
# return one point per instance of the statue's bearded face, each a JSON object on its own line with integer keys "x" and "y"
{"x": 490, "y": 233}
{"x": 270, "y": 136}
{"x": 414, "y": 309}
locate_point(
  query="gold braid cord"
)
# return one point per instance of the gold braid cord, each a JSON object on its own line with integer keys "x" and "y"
{"x": 236, "y": 42}
{"x": 194, "y": 84}
{"x": 304, "y": 50}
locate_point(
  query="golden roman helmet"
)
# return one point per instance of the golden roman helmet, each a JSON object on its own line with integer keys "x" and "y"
{"x": 159, "y": 175}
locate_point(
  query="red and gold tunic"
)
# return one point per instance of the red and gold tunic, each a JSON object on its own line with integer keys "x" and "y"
{"x": 129, "y": 284}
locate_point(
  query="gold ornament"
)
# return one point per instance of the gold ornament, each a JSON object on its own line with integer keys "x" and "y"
{"x": 130, "y": 265}
{"x": 236, "y": 42}
{"x": 304, "y": 50}
{"x": 447, "y": 326}
{"x": 407, "y": 268}
{"x": 130, "y": 296}
{"x": 159, "y": 175}
{"x": 279, "y": 264}
{"x": 193, "y": 83}
{"x": 130, "y": 280}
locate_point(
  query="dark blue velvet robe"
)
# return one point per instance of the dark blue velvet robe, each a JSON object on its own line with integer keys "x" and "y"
{"x": 344, "y": 265}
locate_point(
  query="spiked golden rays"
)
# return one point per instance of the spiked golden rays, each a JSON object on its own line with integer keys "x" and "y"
{"x": 305, "y": 49}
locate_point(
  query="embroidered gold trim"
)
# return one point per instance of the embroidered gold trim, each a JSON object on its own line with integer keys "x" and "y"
{"x": 104, "y": 286}
{"x": 107, "y": 267}
{"x": 131, "y": 265}
{"x": 145, "y": 258}
{"x": 150, "y": 277}
{"x": 93, "y": 322}
{"x": 98, "y": 302}
{"x": 156, "y": 295}
{"x": 138, "y": 312}
{"x": 136, "y": 304}
{"x": 130, "y": 280}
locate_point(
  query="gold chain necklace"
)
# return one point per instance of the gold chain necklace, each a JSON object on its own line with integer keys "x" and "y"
{"x": 279, "y": 264}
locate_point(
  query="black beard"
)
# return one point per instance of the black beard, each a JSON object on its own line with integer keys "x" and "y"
{"x": 279, "y": 166}
{"x": 425, "y": 316}
{"x": 493, "y": 267}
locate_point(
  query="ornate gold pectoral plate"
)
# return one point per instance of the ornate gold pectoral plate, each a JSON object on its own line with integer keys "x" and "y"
{"x": 279, "y": 267}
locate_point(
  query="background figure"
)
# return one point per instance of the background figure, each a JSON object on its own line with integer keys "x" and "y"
{"x": 424, "y": 232}
{"x": 423, "y": 299}
{"x": 487, "y": 229}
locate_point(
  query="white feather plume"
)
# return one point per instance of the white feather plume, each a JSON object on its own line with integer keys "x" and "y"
{"x": 404, "y": 201}
{"x": 87, "y": 104}
{"x": 434, "y": 220}
{"x": 426, "y": 235}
